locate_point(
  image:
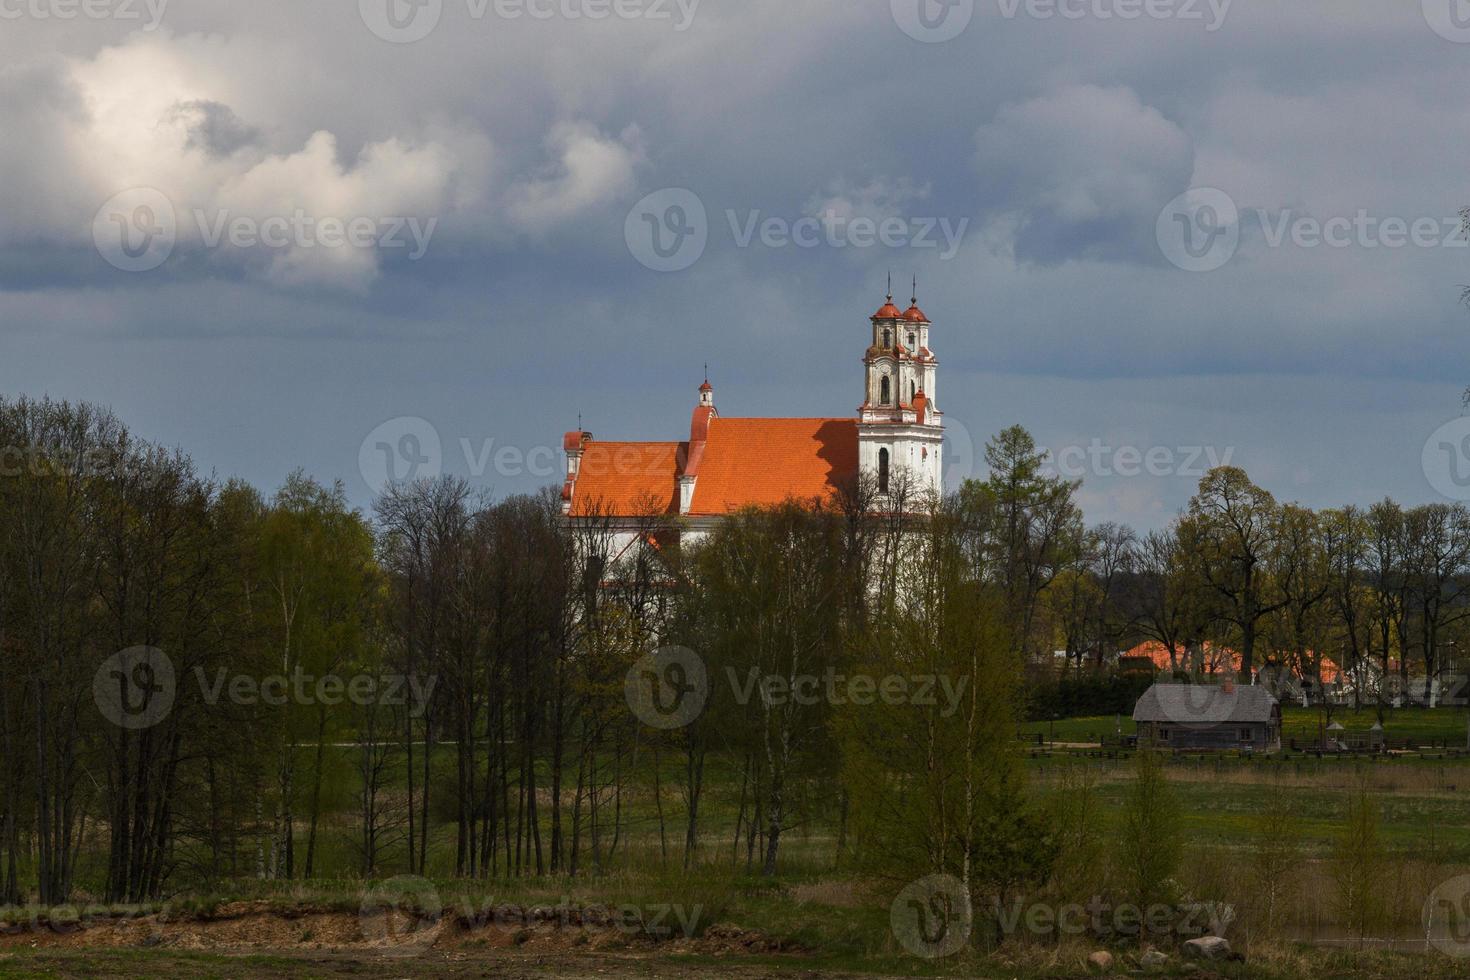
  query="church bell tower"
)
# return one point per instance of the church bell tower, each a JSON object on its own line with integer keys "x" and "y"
{"x": 900, "y": 429}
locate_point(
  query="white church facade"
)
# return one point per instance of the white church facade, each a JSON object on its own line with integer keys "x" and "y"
{"x": 729, "y": 463}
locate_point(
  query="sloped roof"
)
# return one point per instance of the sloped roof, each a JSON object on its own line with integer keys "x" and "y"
{"x": 628, "y": 479}
{"x": 1204, "y": 704}
{"x": 763, "y": 462}
{"x": 1216, "y": 656}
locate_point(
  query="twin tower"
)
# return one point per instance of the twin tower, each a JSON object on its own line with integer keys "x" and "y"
{"x": 899, "y": 426}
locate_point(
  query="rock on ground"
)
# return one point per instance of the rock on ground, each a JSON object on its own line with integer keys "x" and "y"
{"x": 1207, "y": 948}
{"x": 1151, "y": 959}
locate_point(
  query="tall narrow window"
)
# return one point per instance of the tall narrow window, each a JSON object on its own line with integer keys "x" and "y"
{"x": 912, "y": 390}
{"x": 882, "y": 471}
{"x": 885, "y": 338}
{"x": 911, "y": 340}
{"x": 883, "y": 390}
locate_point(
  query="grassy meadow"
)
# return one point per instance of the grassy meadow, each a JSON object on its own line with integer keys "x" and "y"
{"x": 821, "y": 913}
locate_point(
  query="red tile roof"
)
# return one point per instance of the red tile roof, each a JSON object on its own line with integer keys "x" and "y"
{"x": 1215, "y": 657}
{"x": 628, "y": 479}
{"x": 743, "y": 463}
{"x": 763, "y": 462}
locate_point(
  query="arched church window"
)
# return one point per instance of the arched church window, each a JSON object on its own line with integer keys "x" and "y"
{"x": 883, "y": 390}
{"x": 912, "y": 390}
{"x": 911, "y": 340}
{"x": 885, "y": 338}
{"x": 882, "y": 471}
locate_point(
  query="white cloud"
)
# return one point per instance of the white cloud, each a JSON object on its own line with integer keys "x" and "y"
{"x": 154, "y": 112}
{"x": 590, "y": 170}
{"x": 1086, "y": 167}
{"x": 877, "y": 199}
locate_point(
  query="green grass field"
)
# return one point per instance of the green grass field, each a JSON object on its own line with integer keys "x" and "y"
{"x": 835, "y": 919}
{"x": 1421, "y": 726}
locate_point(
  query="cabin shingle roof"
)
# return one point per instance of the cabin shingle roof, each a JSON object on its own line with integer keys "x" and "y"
{"x": 1204, "y": 704}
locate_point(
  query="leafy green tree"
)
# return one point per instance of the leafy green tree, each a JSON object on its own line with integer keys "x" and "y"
{"x": 1275, "y": 860}
{"x": 1024, "y": 528}
{"x": 939, "y": 786}
{"x": 319, "y": 576}
{"x": 1359, "y": 859}
{"x": 776, "y": 579}
{"x": 1231, "y": 530}
{"x": 1149, "y": 841}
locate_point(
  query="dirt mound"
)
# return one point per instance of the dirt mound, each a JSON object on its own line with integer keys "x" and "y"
{"x": 258, "y": 926}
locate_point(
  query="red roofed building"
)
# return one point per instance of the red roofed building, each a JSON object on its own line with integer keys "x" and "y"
{"x": 729, "y": 463}
{"x": 1218, "y": 659}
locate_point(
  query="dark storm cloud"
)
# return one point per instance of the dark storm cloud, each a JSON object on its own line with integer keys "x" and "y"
{"x": 1053, "y": 143}
{"x": 214, "y": 128}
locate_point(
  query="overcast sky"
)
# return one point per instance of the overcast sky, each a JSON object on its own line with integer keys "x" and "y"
{"x": 1157, "y": 233}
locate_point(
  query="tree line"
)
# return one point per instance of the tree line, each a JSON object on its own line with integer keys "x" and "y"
{"x": 518, "y": 636}
{"x": 1376, "y": 599}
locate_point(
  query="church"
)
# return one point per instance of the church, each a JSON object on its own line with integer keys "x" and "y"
{"x": 729, "y": 463}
